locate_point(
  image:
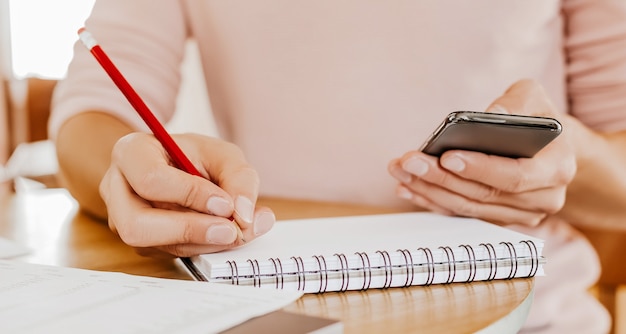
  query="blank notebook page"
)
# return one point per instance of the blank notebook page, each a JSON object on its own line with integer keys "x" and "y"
{"x": 326, "y": 236}
{"x": 361, "y": 252}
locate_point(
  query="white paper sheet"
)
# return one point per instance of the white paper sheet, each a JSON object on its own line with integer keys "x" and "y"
{"x": 31, "y": 159}
{"x": 47, "y": 299}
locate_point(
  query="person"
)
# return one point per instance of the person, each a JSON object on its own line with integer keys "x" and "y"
{"x": 326, "y": 100}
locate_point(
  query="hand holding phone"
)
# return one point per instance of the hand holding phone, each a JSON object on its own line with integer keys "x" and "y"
{"x": 492, "y": 186}
{"x": 513, "y": 136}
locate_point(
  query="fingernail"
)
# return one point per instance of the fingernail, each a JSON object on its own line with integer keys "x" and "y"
{"x": 401, "y": 175}
{"x": 263, "y": 222}
{"x": 244, "y": 208}
{"x": 221, "y": 234}
{"x": 453, "y": 163}
{"x": 416, "y": 166}
{"x": 405, "y": 193}
{"x": 219, "y": 206}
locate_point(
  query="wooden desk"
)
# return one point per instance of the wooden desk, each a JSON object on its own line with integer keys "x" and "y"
{"x": 47, "y": 221}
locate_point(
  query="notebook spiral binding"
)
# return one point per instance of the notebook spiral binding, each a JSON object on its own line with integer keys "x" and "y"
{"x": 345, "y": 274}
{"x": 410, "y": 270}
{"x": 534, "y": 256}
{"x": 323, "y": 272}
{"x": 388, "y": 272}
{"x": 278, "y": 269}
{"x": 300, "y": 271}
{"x": 472, "y": 262}
{"x": 430, "y": 263}
{"x": 256, "y": 272}
{"x": 367, "y": 270}
{"x": 234, "y": 272}
{"x": 513, "y": 257}
{"x": 408, "y": 267}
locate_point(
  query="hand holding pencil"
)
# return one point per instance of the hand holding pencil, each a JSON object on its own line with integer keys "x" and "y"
{"x": 186, "y": 209}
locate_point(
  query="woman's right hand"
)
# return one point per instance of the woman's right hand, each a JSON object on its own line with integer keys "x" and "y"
{"x": 158, "y": 208}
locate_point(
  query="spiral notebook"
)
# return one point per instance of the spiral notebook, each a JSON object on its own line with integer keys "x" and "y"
{"x": 374, "y": 251}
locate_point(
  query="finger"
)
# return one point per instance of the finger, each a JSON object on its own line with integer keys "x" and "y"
{"x": 524, "y": 97}
{"x": 188, "y": 250}
{"x": 242, "y": 184}
{"x": 395, "y": 169}
{"x": 544, "y": 199}
{"x": 503, "y": 174}
{"x": 145, "y": 165}
{"x": 140, "y": 225}
{"x": 465, "y": 207}
{"x": 153, "y": 227}
{"x": 547, "y": 200}
{"x": 421, "y": 201}
{"x": 229, "y": 169}
{"x": 180, "y": 250}
{"x": 104, "y": 189}
{"x": 511, "y": 175}
{"x": 264, "y": 220}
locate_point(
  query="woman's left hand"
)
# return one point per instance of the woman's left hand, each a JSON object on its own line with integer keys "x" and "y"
{"x": 497, "y": 189}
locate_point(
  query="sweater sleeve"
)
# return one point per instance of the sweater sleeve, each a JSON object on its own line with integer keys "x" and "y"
{"x": 596, "y": 55}
{"x": 145, "y": 39}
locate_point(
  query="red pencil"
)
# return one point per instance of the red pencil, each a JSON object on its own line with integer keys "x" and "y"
{"x": 176, "y": 154}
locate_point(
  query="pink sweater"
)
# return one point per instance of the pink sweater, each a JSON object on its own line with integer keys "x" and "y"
{"x": 321, "y": 94}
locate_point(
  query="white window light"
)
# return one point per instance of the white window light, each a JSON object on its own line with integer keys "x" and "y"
{"x": 42, "y": 33}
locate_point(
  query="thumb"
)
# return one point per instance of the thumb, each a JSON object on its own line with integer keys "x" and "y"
{"x": 524, "y": 97}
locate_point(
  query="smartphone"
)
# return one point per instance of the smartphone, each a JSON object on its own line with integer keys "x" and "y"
{"x": 512, "y": 136}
